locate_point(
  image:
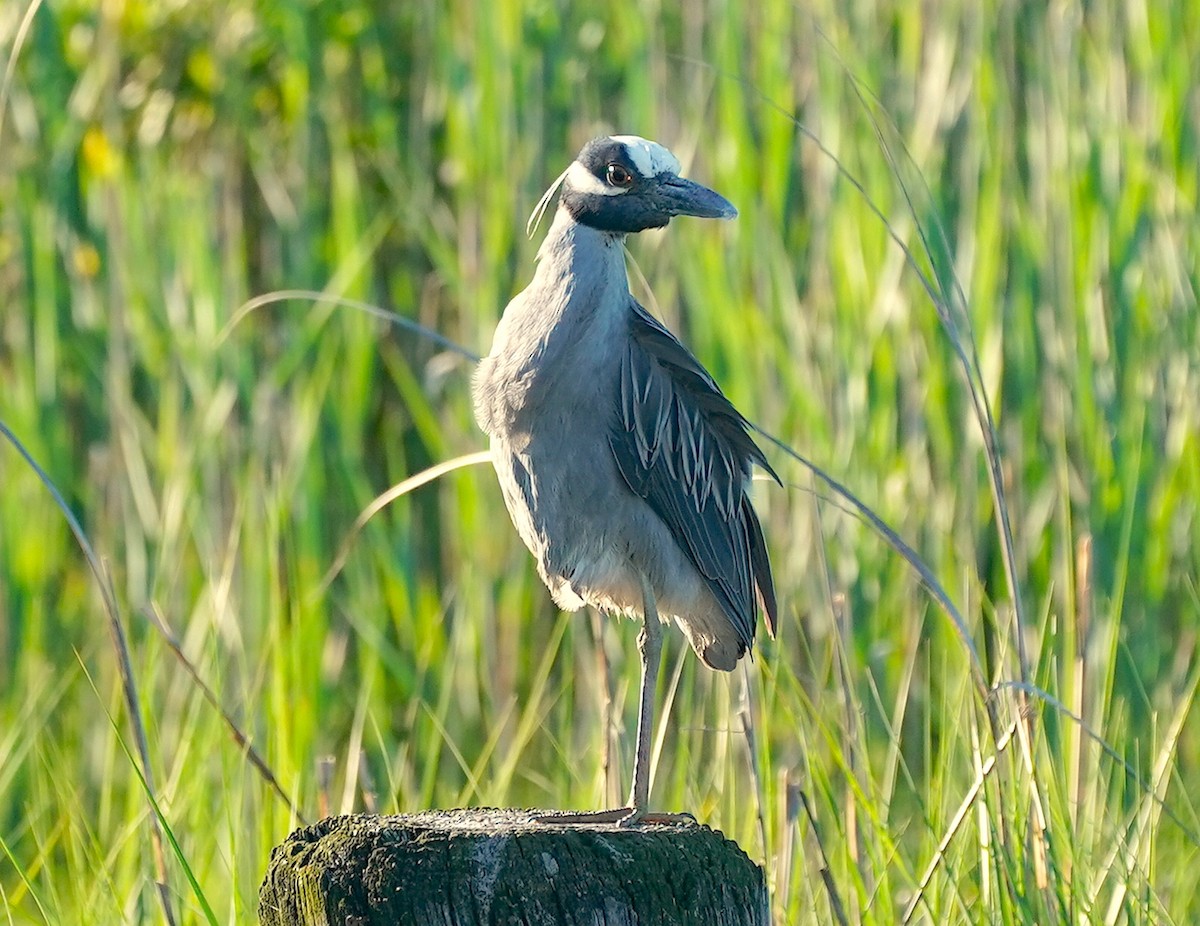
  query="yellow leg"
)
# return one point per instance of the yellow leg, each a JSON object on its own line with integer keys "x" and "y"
{"x": 650, "y": 648}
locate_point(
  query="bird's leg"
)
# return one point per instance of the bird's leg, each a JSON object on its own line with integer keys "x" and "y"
{"x": 650, "y": 648}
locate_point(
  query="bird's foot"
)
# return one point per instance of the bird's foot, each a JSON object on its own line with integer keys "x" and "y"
{"x": 621, "y": 816}
{"x": 635, "y": 817}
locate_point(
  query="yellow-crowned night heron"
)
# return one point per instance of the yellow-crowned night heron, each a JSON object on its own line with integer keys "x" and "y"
{"x": 623, "y": 466}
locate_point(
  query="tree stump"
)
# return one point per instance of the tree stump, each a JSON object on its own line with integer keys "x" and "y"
{"x": 483, "y": 867}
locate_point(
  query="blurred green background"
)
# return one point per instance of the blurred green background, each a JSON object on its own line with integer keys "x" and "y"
{"x": 162, "y": 163}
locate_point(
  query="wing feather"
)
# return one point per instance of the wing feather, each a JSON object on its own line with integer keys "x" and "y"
{"x": 683, "y": 447}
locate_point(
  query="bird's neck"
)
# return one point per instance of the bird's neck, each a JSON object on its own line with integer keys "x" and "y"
{"x": 579, "y": 257}
{"x": 556, "y": 340}
{"x": 578, "y": 299}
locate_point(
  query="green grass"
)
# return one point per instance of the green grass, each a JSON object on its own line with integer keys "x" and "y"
{"x": 164, "y": 164}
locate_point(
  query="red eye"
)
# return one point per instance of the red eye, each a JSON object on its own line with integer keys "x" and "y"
{"x": 618, "y": 175}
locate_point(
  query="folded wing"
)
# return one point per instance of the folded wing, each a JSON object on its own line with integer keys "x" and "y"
{"x": 683, "y": 447}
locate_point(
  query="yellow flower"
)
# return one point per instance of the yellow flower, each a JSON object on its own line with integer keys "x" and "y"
{"x": 86, "y": 260}
{"x": 100, "y": 158}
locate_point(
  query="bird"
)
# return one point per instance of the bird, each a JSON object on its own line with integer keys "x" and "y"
{"x": 623, "y": 466}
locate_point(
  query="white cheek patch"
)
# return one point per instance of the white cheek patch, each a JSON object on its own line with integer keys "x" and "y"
{"x": 650, "y": 158}
{"x": 581, "y": 179}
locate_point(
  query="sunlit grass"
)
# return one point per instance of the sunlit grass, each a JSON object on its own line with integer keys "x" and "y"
{"x": 164, "y": 166}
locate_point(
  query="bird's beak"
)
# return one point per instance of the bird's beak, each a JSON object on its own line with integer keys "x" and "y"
{"x": 678, "y": 196}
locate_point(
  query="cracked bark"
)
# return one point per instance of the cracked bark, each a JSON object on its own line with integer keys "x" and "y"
{"x": 485, "y": 867}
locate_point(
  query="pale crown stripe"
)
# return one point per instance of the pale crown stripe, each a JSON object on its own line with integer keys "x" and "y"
{"x": 650, "y": 158}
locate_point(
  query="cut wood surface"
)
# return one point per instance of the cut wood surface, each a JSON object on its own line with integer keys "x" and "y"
{"x": 482, "y": 867}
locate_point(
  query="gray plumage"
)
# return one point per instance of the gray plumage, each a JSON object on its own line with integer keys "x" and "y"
{"x": 621, "y": 462}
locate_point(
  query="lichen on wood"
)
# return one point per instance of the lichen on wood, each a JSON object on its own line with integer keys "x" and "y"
{"x": 483, "y": 867}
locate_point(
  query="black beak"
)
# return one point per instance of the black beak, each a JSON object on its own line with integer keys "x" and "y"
{"x": 677, "y": 196}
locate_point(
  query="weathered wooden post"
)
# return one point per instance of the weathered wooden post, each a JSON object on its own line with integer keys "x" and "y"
{"x": 482, "y": 867}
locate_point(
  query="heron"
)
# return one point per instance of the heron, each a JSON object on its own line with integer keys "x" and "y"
{"x": 623, "y": 466}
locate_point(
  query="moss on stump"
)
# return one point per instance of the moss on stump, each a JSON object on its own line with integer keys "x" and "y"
{"x": 482, "y": 867}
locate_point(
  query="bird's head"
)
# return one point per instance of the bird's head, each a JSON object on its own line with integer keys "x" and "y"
{"x": 626, "y": 184}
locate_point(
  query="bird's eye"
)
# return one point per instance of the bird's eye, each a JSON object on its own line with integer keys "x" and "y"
{"x": 618, "y": 175}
